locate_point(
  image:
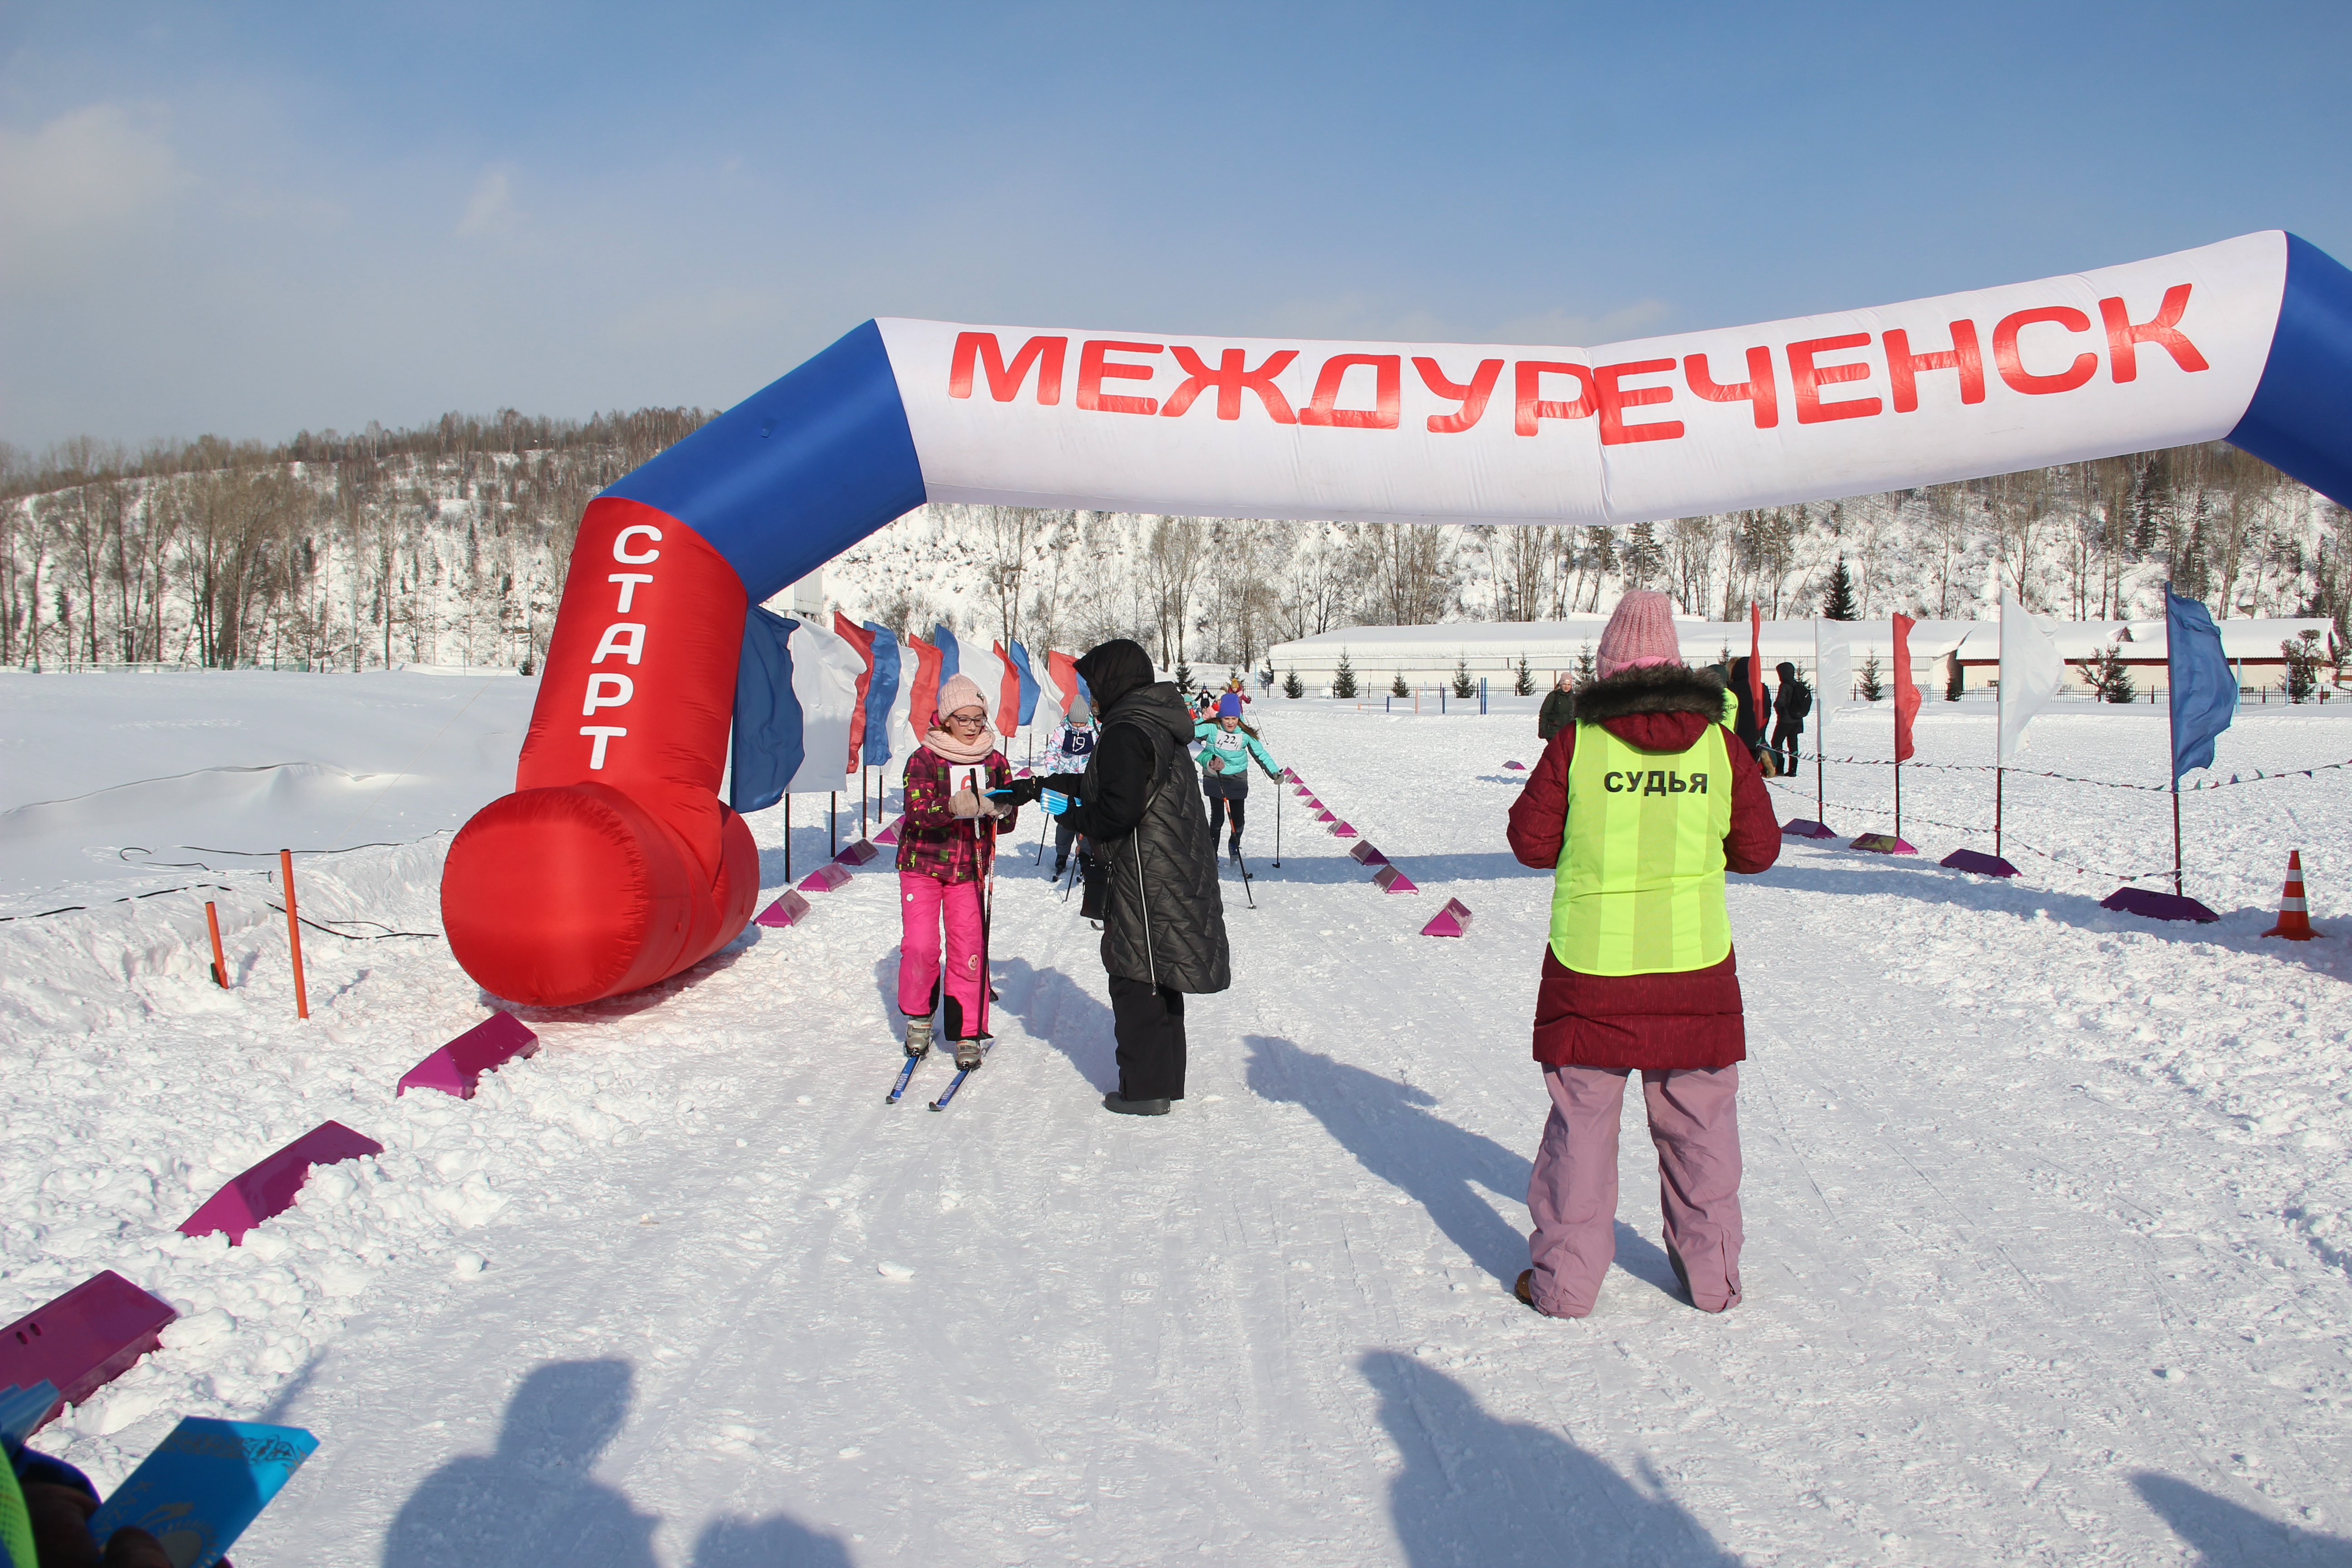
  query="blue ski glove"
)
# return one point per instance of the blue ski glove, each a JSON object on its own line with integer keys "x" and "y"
{"x": 1053, "y": 802}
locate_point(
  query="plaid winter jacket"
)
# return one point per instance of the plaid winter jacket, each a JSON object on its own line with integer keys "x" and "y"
{"x": 933, "y": 839}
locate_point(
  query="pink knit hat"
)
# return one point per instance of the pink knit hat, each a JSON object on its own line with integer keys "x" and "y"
{"x": 958, "y": 693}
{"x": 1640, "y": 634}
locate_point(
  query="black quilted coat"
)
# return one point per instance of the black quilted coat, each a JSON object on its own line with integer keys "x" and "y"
{"x": 1164, "y": 917}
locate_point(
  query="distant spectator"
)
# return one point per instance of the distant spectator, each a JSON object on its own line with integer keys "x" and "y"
{"x": 1559, "y": 706}
{"x": 1791, "y": 704}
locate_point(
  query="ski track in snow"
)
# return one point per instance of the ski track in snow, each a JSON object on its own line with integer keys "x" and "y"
{"x": 2049, "y": 1229}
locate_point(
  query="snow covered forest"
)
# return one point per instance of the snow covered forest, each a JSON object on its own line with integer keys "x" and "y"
{"x": 446, "y": 545}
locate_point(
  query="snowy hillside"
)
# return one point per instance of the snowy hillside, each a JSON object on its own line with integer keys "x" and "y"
{"x": 2049, "y": 1217}
{"x": 448, "y": 546}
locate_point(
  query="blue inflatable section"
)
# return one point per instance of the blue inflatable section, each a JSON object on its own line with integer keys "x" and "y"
{"x": 2300, "y": 419}
{"x": 797, "y": 472}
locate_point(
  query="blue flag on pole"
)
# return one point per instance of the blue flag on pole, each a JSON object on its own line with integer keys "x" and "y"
{"x": 880, "y": 692}
{"x": 768, "y": 747}
{"x": 950, "y": 664}
{"x": 2204, "y": 689}
{"x": 1028, "y": 678}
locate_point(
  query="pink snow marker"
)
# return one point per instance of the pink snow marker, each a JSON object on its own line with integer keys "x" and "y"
{"x": 1881, "y": 844}
{"x": 82, "y": 1341}
{"x": 1324, "y": 816}
{"x": 1363, "y": 853}
{"x": 857, "y": 854}
{"x": 2155, "y": 906}
{"x": 1517, "y": 767}
{"x": 269, "y": 1188}
{"x": 825, "y": 878}
{"x": 787, "y": 909}
{"x": 1024, "y": 772}
{"x": 1805, "y": 827}
{"x": 1392, "y": 880}
{"x": 457, "y": 1067}
{"x": 1453, "y": 919}
{"x": 1981, "y": 863}
{"x": 1341, "y": 831}
{"x": 890, "y": 834}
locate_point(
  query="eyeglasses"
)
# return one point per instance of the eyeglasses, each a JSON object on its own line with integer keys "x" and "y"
{"x": 969, "y": 721}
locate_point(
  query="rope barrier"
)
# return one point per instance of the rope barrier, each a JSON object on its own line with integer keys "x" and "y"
{"x": 2257, "y": 775}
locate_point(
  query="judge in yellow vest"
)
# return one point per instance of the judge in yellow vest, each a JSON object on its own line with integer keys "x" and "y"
{"x": 1638, "y": 809}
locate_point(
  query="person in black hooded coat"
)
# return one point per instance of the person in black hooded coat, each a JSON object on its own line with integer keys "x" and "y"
{"x": 1164, "y": 917}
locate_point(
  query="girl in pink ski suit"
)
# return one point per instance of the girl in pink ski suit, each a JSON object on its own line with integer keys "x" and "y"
{"x": 945, "y": 847}
{"x": 1683, "y": 1030}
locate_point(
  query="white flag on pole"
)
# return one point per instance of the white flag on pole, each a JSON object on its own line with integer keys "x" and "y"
{"x": 2030, "y": 673}
{"x": 1832, "y": 673}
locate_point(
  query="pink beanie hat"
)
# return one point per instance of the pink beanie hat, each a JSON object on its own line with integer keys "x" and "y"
{"x": 958, "y": 693}
{"x": 1640, "y": 634}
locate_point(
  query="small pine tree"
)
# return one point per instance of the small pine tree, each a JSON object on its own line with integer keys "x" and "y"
{"x": 1462, "y": 685}
{"x": 1837, "y": 600}
{"x": 1292, "y": 686}
{"x": 2304, "y": 658}
{"x": 2111, "y": 677}
{"x": 1872, "y": 688}
{"x": 1524, "y": 683}
{"x": 1397, "y": 688}
{"x": 1343, "y": 680}
{"x": 1587, "y": 666}
{"x": 1184, "y": 678}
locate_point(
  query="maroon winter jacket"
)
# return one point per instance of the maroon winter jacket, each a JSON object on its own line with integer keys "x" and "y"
{"x": 1690, "y": 1019}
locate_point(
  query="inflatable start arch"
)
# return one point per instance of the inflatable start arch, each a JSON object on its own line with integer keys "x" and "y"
{"x": 614, "y": 864}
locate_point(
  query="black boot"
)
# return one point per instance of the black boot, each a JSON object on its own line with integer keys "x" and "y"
{"x": 1119, "y": 1104}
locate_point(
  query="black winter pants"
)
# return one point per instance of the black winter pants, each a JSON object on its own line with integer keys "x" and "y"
{"x": 1222, "y": 792}
{"x": 1785, "y": 735}
{"x": 1149, "y": 1021}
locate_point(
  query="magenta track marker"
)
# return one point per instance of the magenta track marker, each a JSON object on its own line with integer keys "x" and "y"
{"x": 2155, "y": 906}
{"x": 1392, "y": 880}
{"x": 1981, "y": 863}
{"x": 1517, "y": 767}
{"x": 1363, "y": 853}
{"x": 1341, "y": 831}
{"x": 1881, "y": 844}
{"x": 267, "y": 1189}
{"x": 1453, "y": 919}
{"x": 82, "y": 1341}
{"x": 1805, "y": 827}
{"x": 825, "y": 878}
{"x": 1324, "y": 816}
{"x": 890, "y": 834}
{"x": 457, "y": 1067}
{"x": 857, "y": 854}
{"x": 788, "y": 908}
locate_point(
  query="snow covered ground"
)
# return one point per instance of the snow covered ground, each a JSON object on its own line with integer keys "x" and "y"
{"x": 2050, "y": 1226}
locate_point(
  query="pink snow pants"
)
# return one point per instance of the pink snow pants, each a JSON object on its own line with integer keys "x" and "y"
{"x": 1573, "y": 1195}
{"x": 925, "y": 903}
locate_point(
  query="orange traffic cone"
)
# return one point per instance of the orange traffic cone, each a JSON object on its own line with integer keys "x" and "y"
{"x": 2294, "y": 922}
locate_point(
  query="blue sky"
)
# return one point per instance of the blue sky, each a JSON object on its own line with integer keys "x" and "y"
{"x": 257, "y": 218}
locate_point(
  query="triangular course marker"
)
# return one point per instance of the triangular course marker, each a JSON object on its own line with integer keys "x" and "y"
{"x": 457, "y": 1067}
{"x": 1364, "y": 854}
{"x": 1392, "y": 880}
{"x": 787, "y": 909}
{"x": 1881, "y": 844}
{"x": 825, "y": 878}
{"x": 1453, "y": 919}
{"x": 1981, "y": 863}
{"x": 1805, "y": 827}
{"x": 2155, "y": 906}
{"x": 267, "y": 1189}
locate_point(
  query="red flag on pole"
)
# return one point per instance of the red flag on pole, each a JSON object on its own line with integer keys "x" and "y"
{"x": 1907, "y": 694}
{"x": 1756, "y": 664}
{"x": 1008, "y": 701}
{"x": 861, "y": 639}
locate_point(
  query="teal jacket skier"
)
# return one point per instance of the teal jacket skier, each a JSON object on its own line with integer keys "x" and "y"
{"x": 1228, "y": 748}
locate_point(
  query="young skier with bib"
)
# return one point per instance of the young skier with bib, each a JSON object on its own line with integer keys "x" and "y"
{"x": 945, "y": 850}
{"x": 1228, "y": 748}
{"x": 1638, "y": 808}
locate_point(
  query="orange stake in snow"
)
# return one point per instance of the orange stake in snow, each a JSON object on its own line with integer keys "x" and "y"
{"x": 220, "y": 962}
{"x": 294, "y": 933}
{"x": 2294, "y": 918}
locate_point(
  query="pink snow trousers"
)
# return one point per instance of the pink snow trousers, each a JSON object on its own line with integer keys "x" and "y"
{"x": 925, "y": 904}
{"x": 1572, "y": 1196}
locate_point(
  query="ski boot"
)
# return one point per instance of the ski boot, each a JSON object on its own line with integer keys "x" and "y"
{"x": 1233, "y": 850}
{"x": 918, "y": 1038}
{"x": 967, "y": 1055}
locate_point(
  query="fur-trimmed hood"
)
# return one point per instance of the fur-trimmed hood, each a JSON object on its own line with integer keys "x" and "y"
{"x": 1652, "y": 689}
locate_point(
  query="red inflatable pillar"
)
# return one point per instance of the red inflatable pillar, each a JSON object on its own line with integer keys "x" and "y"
{"x": 614, "y": 864}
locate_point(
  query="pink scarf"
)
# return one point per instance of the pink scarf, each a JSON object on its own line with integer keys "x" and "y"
{"x": 982, "y": 748}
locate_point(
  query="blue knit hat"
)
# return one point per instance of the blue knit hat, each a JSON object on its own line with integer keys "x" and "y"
{"x": 1230, "y": 705}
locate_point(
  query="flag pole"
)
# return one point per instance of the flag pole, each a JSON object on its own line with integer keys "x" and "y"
{"x": 1821, "y": 729}
{"x": 2176, "y": 835}
{"x": 1997, "y": 771}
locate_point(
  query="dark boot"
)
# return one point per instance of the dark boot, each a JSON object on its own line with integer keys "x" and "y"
{"x": 1116, "y": 1102}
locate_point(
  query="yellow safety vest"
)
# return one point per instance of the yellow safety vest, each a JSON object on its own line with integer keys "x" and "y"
{"x": 1639, "y": 888}
{"x": 1730, "y": 708}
